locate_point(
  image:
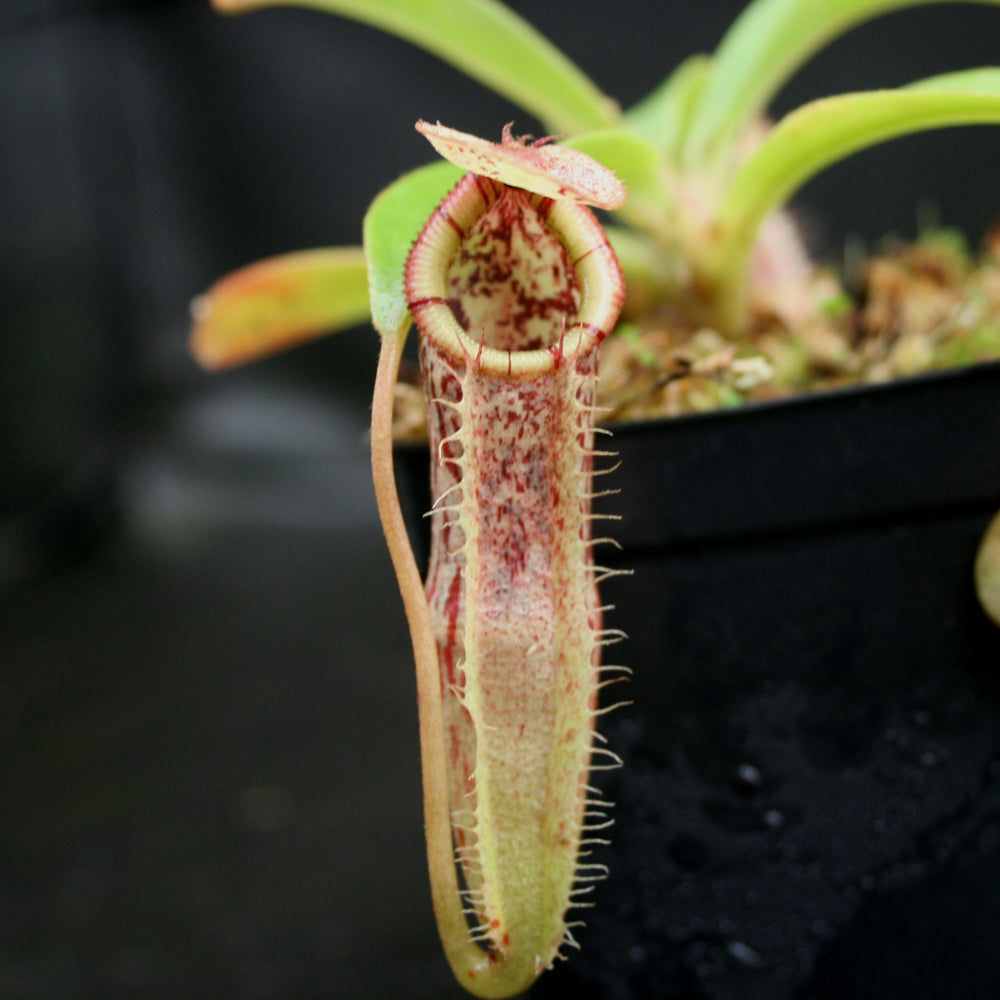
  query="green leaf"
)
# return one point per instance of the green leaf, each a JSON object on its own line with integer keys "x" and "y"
{"x": 982, "y": 80}
{"x": 486, "y": 41}
{"x": 663, "y": 116}
{"x": 987, "y": 573}
{"x": 766, "y": 44}
{"x": 278, "y": 303}
{"x": 819, "y": 134}
{"x": 392, "y": 224}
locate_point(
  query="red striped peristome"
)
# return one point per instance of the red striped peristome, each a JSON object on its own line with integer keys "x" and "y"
{"x": 512, "y": 294}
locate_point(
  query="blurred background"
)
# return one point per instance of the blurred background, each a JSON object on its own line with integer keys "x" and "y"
{"x": 207, "y": 718}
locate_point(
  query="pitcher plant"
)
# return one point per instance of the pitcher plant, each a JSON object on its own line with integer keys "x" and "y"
{"x": 513, "y": 285}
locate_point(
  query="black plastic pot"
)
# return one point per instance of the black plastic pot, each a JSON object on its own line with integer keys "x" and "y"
{"x": 810, "y": 801}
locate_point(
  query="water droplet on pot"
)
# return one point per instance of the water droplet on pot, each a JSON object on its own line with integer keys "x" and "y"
{"x": 748, "y": 779}
{"x": 744, "y": 954}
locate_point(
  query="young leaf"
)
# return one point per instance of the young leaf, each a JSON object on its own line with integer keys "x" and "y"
{"x": 486, "y": 41}
{"x": 766, "y": 44}
{"x": 662, "y": 117}
{"x": 393, "y": 221}
{"x": 277, "y": 303}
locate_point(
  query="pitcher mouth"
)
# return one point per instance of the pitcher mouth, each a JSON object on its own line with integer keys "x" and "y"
{"x": 595, "y": 272}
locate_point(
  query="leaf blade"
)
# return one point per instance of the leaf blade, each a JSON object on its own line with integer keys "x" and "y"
{"x": 664, "y": 115}
{"x": 821, "y": 133}
{"x": 278, "y": 303}
{"x": 766, "y": 44}
{"x": 391, "y": 224}
{"x": 980, "y": 80}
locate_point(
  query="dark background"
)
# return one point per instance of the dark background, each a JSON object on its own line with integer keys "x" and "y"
{"x": 207, "y": 721}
